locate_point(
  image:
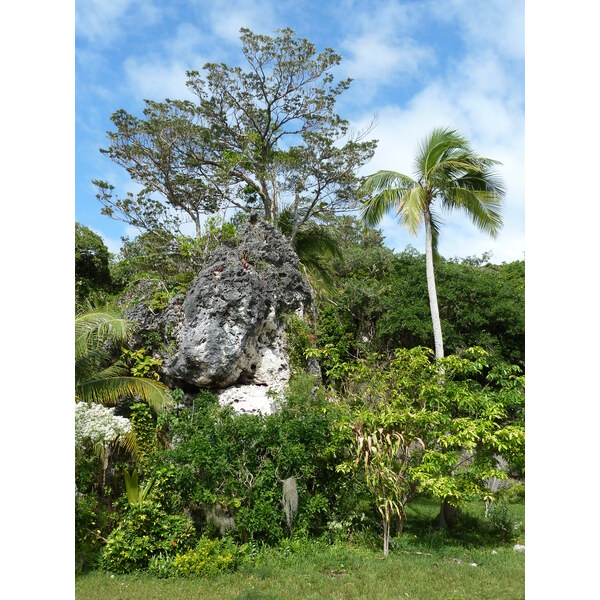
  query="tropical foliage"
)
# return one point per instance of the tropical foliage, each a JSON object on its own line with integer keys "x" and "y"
{"x": 99, "y": 377}
{"x": 92, "y": 271}
{"x": 449, "y": 171}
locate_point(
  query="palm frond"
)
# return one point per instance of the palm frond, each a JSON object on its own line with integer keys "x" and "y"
{"x": 436, "y": 223}
{"x": 93, "y": 329}
{"x": 88, "y": 365}
{"x": 390, "y": 190}
{"x": 482, "y": 207}
{"x": 384, "y": 180}
{"x": 441, "y": 145}
{"x": 373, "y": 209}
{"x": 116, "y": 369}
{"x": 411, "y": 210}
{"x": 108, "y": 390}
{"x": 313, "y": 246}
{"x": 315, "y": 240}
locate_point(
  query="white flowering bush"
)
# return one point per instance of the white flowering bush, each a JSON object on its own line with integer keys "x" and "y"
{"x": 98, "y": 425}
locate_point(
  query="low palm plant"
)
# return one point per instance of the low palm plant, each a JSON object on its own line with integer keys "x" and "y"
{"x": 136, "y": 493}
{"x": 98, "y": 377}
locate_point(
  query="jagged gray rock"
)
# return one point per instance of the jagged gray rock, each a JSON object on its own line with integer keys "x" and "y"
{"x": 232, "y": 328}
{"x": 228, "y": 333}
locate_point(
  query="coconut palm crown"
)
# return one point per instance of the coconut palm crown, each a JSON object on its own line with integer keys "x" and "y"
{"x": 448, "y": 171}
{"x": 98, "y": 378}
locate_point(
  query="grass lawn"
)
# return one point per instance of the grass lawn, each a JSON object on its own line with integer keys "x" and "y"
{"x": 424, "y": 563}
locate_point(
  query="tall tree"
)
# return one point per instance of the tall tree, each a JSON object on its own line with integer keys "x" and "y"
{"x": 448, "y": 171}
{"x": 263, "y": 137}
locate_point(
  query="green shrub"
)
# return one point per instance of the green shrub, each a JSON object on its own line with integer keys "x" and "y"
{"x": 144, "y": 429}
{"x": 161, "y": 566}
{"x": 91, "y": 523}
{"x": 240, "y": 462}
{"x": 501, "y": 522}
{"x": 264, "y": 519}
{"x": 300, "y": 338}
{"x": 515, "y": 494}
{"x": 209, "y": 557}
{"x": 145, "y": 530}
{"x": 140, "y": 363}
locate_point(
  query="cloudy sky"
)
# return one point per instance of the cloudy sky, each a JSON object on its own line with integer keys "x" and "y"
{"x": 416, "y": 65}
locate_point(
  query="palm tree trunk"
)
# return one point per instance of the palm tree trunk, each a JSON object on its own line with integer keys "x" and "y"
{"x": 433, "y": 304}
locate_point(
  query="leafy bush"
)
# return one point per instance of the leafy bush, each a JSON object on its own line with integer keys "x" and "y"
{"x": 501, "y": 523}
{"x": 140, "y": 364}
{"x": 300, "y": 337}
{"x": 144, "y": 428}
{"x": 92, "y": 274}
{"x": 209, "y": 557}
{"x": 144, "y": 531}
{"x": 161, "y": 566}
{"x": 240, "y": 462}
{"x": 516, "y": 493}
{"x": 91, "y": 523}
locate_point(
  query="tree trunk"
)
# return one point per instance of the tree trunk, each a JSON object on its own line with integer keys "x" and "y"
{"x": 198, "y": 227}
{"x": 448, "y": 514}
{"x": 398, "y": 526}
{"x": 386, "y": 536}
{"x": 275, "y": 209}
{"x": 295, "y": 222}
{"x": 433, "y": 304}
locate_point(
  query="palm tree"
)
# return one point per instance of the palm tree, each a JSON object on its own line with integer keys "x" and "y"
{"x": 449, "y": 171}
{"x": 98, "y": 378}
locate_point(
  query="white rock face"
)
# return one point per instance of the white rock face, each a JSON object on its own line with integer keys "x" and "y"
{"x": 248, "y": 398}
{"x": 266, "y": 366}
{"x": 265, "y": 357}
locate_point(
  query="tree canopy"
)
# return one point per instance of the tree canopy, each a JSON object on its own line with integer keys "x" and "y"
{"x": 266, "y": 137}
{"x": 91, "y": 263}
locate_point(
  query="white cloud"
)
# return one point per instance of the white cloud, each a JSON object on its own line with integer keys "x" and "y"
{"x": 497, "y": 24}
{"x": 162, "y": 74}
{"x": 489, "y": 112}
{"x": 100, "y": 21}
{"x": 227, "y": 17}
{"x": 380, "y": 47}
{"x": 157, "y": 79}
{"x": 374, "y": 58}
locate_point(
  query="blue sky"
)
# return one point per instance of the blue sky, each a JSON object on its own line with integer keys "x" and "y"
{"x": 415, "y": 65}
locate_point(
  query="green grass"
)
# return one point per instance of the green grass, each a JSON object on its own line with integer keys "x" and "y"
{"x": 424, "y": 563}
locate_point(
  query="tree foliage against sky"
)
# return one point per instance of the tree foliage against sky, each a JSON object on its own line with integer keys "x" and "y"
{"x": 263, "y": 137}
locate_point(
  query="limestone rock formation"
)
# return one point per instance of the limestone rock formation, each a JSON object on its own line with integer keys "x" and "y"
{"x": 229, "y": 332}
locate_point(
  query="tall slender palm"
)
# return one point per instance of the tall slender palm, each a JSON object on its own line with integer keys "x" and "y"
{"x": 98, "y": 378}
{"x": 448, "y": 171}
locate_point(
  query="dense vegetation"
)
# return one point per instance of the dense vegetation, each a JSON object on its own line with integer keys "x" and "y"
{"x": 175, "y": 489}
{"x": 377, "y": 374}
